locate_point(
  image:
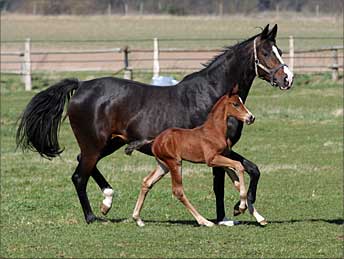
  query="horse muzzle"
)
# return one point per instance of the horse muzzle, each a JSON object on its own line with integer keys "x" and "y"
{"x": 249, "y": 119}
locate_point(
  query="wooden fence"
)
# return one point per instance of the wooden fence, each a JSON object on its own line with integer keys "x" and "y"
{"x": 177, "y": 59}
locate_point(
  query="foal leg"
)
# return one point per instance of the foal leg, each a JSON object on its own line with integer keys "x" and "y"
{"x": 147, "y": 183}
{"x": 178, "y": 192}
{"x": 260, "y": 219}
{"x": 223, "y": 161}
{"x": 254, "y": 174}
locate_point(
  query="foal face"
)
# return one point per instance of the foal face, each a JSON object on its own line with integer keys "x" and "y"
{"x": 236, "y": 108}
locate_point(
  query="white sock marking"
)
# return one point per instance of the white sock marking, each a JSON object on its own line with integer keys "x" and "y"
{"x": 258, "y": 217}
{"x": 108, "y": 193}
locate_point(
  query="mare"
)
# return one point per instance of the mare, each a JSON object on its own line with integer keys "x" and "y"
{"x": 106, "y": 113}
{"x": 203, "y": 144}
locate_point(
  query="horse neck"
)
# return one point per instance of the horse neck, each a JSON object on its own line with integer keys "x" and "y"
{"x": 217, "y": 118}
{"x": 236, "y": 65}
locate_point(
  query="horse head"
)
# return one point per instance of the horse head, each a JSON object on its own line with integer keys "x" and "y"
{"x": 268, "y": 62}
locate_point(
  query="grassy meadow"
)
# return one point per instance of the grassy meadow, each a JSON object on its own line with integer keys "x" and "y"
{"x": 296, "y": 140}
{"x": 126, "y": 30}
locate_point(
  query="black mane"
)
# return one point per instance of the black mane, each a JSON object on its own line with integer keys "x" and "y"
{"x": 226, "y": 53}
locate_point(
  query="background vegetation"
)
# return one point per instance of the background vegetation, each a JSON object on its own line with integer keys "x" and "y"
{"x": 171, "y": 7}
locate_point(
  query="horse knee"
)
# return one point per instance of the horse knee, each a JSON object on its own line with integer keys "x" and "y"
{"x": 254, "y": 172}
{"x": 239, "y": 167}
{"x": 178, "y": 193}
{"x": 146, "y": 185}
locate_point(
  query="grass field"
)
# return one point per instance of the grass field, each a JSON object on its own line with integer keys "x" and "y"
{"x": 297, "y": 141}
{"x": 127, "y": 28}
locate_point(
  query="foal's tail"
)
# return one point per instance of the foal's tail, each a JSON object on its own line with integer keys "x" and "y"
{"x": 136, "y": 145}
{"x": 41, "y": 119}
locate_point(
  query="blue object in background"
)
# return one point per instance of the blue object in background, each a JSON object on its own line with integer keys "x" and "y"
{"x": 163, "y": 81}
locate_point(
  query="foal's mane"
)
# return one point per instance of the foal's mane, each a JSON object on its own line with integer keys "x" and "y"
{"x": 217, "y": 104}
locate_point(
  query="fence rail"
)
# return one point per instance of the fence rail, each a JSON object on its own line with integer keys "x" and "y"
{"x": 167, "y": 59}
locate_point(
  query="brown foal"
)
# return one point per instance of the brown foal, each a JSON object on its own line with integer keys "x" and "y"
{"x": 203, "y": 144}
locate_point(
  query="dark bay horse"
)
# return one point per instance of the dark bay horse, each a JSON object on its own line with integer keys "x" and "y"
{"x": 106, "y": 113}
{"x": 203, "y": 144}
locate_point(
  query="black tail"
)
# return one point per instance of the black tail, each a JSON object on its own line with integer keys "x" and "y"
{"x": 136, "y": 145}
{"x": 40, "y": 121}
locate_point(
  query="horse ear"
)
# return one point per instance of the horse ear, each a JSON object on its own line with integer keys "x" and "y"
{"x": 273, "y": 33}
{"x": 235, "y": 90}
{"x": 265, "y": 32}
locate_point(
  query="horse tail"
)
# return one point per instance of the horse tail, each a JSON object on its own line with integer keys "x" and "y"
{"x": 134, "y": 145}
{"x": 41, "y": 119}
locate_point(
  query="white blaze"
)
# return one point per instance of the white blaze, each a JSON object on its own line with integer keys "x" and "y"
{"x": 286, "y": 69}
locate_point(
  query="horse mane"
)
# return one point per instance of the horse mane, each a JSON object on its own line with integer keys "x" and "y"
{"x": 221, "y": 56}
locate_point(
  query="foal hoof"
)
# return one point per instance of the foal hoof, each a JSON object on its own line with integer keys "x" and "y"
{"x": 104, "y": 209}
{"x": 236, "y": 213}
{"x": 263, "y": 223}
{"x": 207, "y": 224}
{"x": 139, "y": 222}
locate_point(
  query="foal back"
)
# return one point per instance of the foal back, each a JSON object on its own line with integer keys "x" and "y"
{"x": 202, "y": 143}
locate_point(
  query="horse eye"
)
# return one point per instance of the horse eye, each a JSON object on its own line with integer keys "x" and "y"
{"x": 265, "y": 54}
{"x": 236, "y": 105}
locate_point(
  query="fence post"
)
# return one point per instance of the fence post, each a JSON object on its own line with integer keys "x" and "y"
{"x": 335, "y": 65}
{"x": 156, "y": 67}
{"x": 128, "y": 72}
{"x": 27, "y": 66}
{"x": 291, "y": 53}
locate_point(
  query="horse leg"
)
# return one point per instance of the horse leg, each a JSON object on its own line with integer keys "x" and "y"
{"x": 147, "y": 183}
{"x": 254, "y": 174}
{"x": 104, "y": 186}
{"x": 178, "y": 192}
{"x": 80, "y": 179}
{"x": 237, "y": 211}
{"x": 218, "y": 188}
{"x": 223, "y": 161}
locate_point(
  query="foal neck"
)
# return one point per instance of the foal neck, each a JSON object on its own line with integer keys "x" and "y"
{"x": 217, "y": 118}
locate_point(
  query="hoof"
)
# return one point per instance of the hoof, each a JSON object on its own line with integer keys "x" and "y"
{"x": 236, "y": 213}
{"x": 207, "y": 224}
{"x": 242, "y": 210}
{"x": 263, "y": 223}
{"x": 228, "y": 223}
{"x": 139, "y": 222}
{"x": 90, "y": 219}
{"x": 104, "y": 209}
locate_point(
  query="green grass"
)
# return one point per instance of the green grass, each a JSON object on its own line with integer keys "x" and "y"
{"x": 18, "y": 27}
{"x": 297, "y": 141}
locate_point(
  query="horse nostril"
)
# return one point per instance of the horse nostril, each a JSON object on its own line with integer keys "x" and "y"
{"x": 252, "y": 118}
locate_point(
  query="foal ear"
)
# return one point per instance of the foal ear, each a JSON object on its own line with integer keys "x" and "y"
{"x": 265, "y": 32}
{"x": 273, "y": 33}
{"x": 235, "y": 90}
